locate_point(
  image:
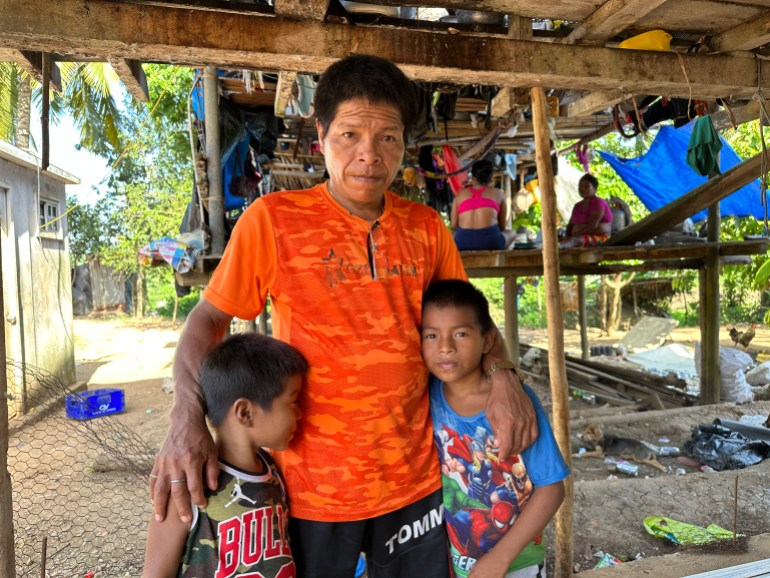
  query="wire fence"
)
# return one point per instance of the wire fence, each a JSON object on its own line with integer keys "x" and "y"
{"x": 79, "y": 486}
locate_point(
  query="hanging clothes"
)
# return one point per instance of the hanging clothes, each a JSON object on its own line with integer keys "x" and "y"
{"x": 703, "y": 148}
{"x": 452, "y": 163}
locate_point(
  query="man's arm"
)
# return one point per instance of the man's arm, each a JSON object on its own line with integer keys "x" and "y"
{"x": 509, "y": 409}
{"x": 188, "y": 449}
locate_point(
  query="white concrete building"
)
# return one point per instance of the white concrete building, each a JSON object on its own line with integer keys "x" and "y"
{"x": 35, "y": 268}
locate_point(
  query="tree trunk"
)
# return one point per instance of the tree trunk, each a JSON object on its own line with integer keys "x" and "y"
{"x": 23, "y": 109}
{"x": 616, "y": 303}
{"x": 139, "y": 308}
{"x": 603, "y": 306}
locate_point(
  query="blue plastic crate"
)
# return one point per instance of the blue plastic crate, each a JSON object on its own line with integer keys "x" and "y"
{"x": 95, "y": 403}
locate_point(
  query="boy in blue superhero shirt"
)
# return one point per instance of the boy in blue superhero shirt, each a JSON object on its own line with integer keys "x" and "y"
{"x": 495, "y": 510}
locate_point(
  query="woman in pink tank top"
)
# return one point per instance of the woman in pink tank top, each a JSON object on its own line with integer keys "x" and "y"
{"x": 591, "y": 220}
{"x": 479, "y": 215}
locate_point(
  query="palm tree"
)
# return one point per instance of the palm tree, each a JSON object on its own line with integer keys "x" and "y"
{"x": 85, "y": 95}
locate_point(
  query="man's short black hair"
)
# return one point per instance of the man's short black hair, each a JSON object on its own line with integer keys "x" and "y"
{"x": 482, "y": 171}
{"x": 459, "y": 293}
{"x": 590, "y": 179}
{"x": 371, "y": 78}
{"x": 247, "y": 365}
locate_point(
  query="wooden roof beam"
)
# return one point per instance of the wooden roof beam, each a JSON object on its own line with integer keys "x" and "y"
{"x": 201, "y": 37}
{"x": 595, "y": 102}
{"x": 283, "y": 92}
{"x": 705, "y": 195}
{"x": 558, "y": 10}
{"x": 132, "y": 76}
{"x": 508, "y": 100}
{"x": 746, "y": 36}
{"x": 308, "y": 9}
{"x": 609, "y": 19}
{"x": 32, "y": 63}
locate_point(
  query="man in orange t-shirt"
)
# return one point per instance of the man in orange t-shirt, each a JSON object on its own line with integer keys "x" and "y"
{"x": 345, "y": 265}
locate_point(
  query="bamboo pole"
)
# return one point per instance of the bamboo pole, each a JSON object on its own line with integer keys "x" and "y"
{"x": 7, "y": 555}
{"x": 556, "y": 363}
{"x": 45, "y": 117}
{"x": 216, "y": 201}
{"x": 583, "y": 316}
{"x": 511, "y": 306}
{"x": 709, "y": 388}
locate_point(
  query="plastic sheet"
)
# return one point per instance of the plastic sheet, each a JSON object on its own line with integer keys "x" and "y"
{"x": 722, "y": 449}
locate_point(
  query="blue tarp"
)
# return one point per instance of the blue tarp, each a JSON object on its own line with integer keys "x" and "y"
{"x": 662, "y": 175}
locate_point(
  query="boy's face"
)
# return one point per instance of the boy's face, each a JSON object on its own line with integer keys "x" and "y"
{"x": 280, "y": 423}
{"x": 452, "y": 342}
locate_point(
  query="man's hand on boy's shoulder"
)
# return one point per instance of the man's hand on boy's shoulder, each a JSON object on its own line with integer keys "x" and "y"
{"x": 511, "y": 414}
{"x": 188, "y": 453}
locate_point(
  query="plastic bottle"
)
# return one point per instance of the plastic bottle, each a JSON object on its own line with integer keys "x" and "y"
{"x": 628, "y": 469}
{"x": 584, "y": 395}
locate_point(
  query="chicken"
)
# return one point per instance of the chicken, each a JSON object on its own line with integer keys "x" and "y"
{"x": 746, "y": 337}
{"x": 735, "y": 335}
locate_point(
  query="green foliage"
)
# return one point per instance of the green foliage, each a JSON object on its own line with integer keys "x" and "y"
{"x": 90, "y": 229}
{"x": 85, "y": 94}
{"x": 610, "y": 184}
{"x": 148, "y": 187}
{"x": 161, "y": 292}
{"x": 10, "y": 78}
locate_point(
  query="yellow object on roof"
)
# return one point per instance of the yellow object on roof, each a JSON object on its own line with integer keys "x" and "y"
{"x": 652, "y": 40}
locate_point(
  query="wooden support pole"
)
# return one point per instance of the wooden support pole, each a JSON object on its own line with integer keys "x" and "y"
{"x": 583, "y": 316}
{"x": 7, "y": 553}
{"x": 709, "y": 383}
{"x": 44, "y": 119}
{"x": 216, "y": 201}
{"x": 511, "y": 306}
{"x": 556, "y": 363}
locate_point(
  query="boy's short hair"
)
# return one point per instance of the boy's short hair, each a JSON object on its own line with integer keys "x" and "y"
{"x": 371, "y": 78}
{"x": 247, "y": 365}
{"x": 459, "y": 293}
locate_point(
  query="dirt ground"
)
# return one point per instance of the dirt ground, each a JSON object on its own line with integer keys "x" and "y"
{"x": 608, "y": 512}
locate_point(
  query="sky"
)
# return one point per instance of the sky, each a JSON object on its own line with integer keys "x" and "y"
{"x": 89, "y": 168}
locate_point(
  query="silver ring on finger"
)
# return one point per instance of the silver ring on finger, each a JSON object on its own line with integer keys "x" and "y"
{"x": 179, "y": 481}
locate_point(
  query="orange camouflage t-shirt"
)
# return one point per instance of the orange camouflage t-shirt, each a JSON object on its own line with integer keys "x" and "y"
{"x": 348, "y": 295}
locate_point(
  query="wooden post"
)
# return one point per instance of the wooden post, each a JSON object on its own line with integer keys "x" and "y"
{"x": 216, "y": 201}
{"x": 511, "y": 306}
{"x": 7, "y": 554}
{"x": 44, "y": 119}
{"x": 556, "y": 363}
{"x": 583, "y": 316}
{"x": 709, "y": 351}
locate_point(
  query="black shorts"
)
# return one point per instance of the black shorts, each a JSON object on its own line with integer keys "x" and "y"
{"x": 410, "y": 542}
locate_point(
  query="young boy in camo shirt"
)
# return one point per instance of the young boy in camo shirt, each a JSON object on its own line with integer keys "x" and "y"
{"x": 250, "y": 384}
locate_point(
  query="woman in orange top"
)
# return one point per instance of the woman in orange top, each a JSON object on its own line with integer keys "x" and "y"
{"x": 480, "y": 213}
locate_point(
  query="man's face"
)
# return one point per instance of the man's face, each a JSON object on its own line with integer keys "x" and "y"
{"x": 363, "y": 148}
